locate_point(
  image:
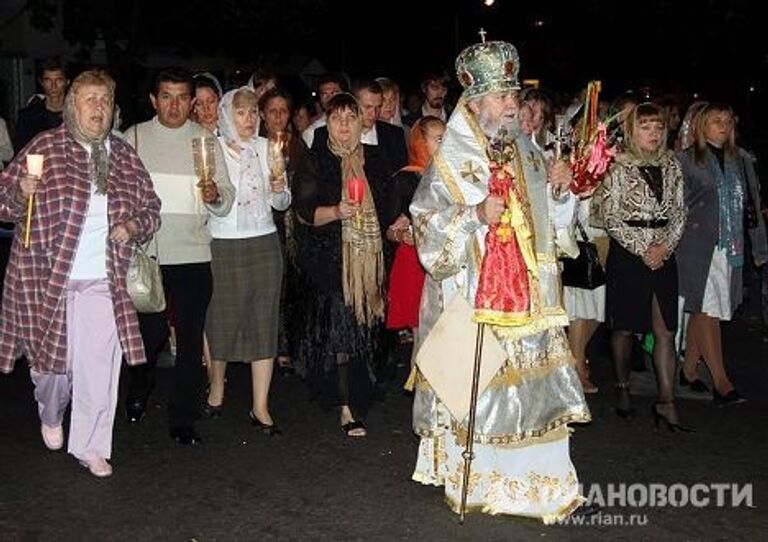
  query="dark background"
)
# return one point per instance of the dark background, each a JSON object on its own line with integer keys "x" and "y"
{"x": 715, "y": 49}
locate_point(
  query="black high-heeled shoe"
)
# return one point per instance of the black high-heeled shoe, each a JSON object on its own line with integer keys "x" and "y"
{"x": 266, "y": 429}
{"x": 213, "y": 411}
{"x": 621, "y": 412}
{"x": 696, "y": 384}
{"x": 658, "y": 418}
{"x": 731, "y": 398}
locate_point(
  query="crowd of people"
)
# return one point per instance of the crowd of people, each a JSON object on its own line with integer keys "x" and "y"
{"x": 333, "y": 234}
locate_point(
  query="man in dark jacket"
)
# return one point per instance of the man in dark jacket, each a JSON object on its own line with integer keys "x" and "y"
{"x": 434, "y": 87}
{"x": 44, "y": 113}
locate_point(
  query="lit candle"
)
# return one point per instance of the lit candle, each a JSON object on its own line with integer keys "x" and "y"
{"x": 35, "y": 164}
{"x": 356, "y": 190}
{"x": 356, "y": 193}
{"x": 34, "y": 168}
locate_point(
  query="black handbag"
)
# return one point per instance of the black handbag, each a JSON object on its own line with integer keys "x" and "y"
{"x": 585, "y": 270}
{"x": 751, "y": 220}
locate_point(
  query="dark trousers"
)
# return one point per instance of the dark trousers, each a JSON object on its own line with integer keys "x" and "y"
{"x": 188, "y": 288}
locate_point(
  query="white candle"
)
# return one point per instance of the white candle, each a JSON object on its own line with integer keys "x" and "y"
{"x": 35, "y": 164}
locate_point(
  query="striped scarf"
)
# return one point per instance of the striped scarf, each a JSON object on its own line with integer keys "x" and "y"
{"x": 361, "y": 247}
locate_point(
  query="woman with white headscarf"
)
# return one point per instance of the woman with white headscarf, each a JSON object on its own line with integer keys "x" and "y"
{"x": 246, "y": 262}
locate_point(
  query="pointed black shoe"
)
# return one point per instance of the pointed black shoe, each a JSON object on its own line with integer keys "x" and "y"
{"x": 659, "y": 419}
{"x": 268, "y": 430}
{"x": 696, "y": 385}
{"x": 213, "y": 411}
{"x": 731, "y": 398}
{"x": 627, "y": 412}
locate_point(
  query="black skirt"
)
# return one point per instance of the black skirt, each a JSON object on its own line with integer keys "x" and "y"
{"x": 630, "y": 287}
{"x": 336, "y": 353}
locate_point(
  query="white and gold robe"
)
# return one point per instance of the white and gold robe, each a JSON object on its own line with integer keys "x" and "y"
{"x": 522, "y": 463}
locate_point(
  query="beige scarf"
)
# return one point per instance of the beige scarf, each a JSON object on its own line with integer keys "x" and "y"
{"x": 362, "y": 259}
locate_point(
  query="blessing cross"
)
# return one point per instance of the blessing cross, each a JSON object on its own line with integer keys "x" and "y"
{"x": 482, "y": 33}
{"x": 470, "y": 171}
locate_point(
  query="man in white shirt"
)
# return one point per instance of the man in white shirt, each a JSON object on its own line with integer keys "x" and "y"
{"x": 328, "y": 86}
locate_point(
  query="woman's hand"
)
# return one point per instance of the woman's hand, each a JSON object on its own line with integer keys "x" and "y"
{"x": 123, "y": 233}
{"x": 400, "y": 231}
{"x": 346, "y": 209}
{"x": 277, "y": 184}
{"x": 28, "y": 185}
{"x": 210, "y": 192}
{"x": 656, "y": 255}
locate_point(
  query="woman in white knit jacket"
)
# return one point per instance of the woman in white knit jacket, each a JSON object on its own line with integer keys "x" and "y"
{"x": 246, "y": 261}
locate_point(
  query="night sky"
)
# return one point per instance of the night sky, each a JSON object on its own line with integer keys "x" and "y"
{"x": 691, "y": 44}
{"x": 715, "y": 48}
{"x": 704, "y": 45}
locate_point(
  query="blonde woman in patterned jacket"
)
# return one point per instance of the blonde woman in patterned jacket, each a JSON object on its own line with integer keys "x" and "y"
{"x": 644, "y": 215}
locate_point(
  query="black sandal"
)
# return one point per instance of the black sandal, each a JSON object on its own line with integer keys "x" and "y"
{"x": 351, "y": 426}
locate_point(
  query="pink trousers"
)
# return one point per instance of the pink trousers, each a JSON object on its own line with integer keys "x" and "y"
{"x": 93, "y": 372}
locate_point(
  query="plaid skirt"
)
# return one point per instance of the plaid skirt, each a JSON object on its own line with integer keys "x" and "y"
{"x": 242, "y": 319}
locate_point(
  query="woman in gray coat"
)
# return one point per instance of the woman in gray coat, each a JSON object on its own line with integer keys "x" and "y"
{"x": 711, "y": 251}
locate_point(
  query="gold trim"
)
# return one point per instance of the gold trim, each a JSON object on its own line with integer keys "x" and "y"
{"x": 522, "y": 193}
{"x": 528, "y": 438}
{"x": 410, "y": 383}
{"x": 499, "y": 318}
{"x": 547, "y": 319}
{"x": 427, "y": 481}
{"x": 472, "y": 123}
{"x": 477, "y": 253}
{"x": 446, "y": 174}
{"x": 564, "y": 512}
{"x": 546, "y": 519}
{"x": 546, "y": 258}
{"x": 421, "y": 383}
{"x": 510, "y": 376}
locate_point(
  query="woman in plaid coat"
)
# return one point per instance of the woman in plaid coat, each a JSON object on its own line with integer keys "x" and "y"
{"x": 65, "y": 304}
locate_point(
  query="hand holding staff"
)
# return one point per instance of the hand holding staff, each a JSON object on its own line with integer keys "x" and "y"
{"x": 28, "y": 186}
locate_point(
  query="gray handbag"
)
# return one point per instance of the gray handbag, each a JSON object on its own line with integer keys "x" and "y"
{"x": 144, "y": 282}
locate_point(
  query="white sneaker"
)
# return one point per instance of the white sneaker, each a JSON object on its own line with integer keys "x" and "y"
{"x": 98, "y": 466}
{"x": 53, "y": 437}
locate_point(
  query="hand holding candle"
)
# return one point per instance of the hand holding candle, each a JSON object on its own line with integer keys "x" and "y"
{"x": 356, "y": 194}
{"x": 34, "y": 169}
{"x": 275, "y": 156}
{"x": 204, "y": 159}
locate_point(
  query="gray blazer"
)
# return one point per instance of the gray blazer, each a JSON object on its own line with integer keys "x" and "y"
{"x": 694, "y": 252}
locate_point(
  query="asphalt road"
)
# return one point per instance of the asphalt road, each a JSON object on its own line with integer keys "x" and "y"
{"x": 315, "y": 484}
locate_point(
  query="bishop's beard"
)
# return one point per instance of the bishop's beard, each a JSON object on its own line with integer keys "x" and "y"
{"x": 505, "y": 127}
